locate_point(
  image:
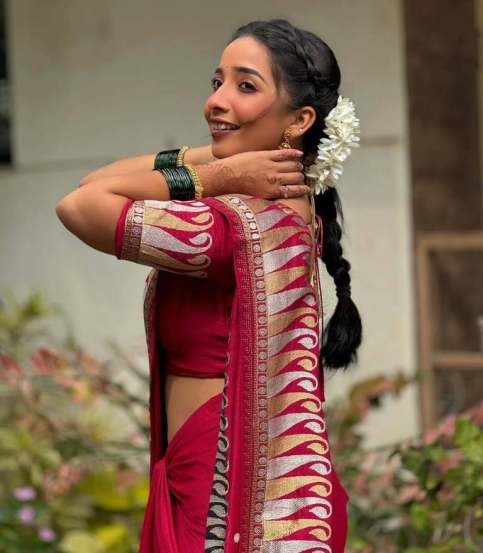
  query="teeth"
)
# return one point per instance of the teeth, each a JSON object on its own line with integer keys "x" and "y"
{"x": 224, "y": 126}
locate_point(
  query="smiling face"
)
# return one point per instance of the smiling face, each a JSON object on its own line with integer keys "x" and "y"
{"x": 247, "y": 98}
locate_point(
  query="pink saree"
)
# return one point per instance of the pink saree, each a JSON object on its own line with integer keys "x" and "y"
{"x": 250, "y": 471}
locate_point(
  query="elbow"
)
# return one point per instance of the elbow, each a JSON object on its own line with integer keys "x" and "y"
{"x": 61, "y": 210}
{"x": 65, "y": 210}
{"x": 85, "y": 180}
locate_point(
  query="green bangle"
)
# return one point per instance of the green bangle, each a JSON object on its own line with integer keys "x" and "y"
{"x": 180, "y": 182}
{"x": 169, "y": 158}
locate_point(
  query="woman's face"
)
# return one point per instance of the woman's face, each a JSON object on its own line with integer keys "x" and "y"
{"x": 246, "y": 98}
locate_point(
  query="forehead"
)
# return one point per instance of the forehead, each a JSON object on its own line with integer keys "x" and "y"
{"x": 247, "y": 51}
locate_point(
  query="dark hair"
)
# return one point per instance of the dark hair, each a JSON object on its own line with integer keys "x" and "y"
{"x": 306, "y": 66}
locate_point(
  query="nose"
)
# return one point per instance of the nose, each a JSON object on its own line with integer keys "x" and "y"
{"x": 218, "y": 101}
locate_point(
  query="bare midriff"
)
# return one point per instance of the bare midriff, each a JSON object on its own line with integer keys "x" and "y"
{"x": 184, "y": 394}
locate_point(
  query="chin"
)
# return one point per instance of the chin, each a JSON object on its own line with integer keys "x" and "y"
{"x": 221, "y": 151}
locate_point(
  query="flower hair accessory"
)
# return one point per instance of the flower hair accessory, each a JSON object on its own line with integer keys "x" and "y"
{"x": 342, "y": 129}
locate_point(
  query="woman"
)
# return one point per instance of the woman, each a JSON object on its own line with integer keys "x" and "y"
{"x": 240, "y": 458}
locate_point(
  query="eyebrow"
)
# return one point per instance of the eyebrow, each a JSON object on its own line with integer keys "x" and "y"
{"x": 242, "y": 69}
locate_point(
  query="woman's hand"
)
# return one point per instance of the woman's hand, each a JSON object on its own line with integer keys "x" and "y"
{"x": 199, "y": 155}
{"x": 269, "y": 174}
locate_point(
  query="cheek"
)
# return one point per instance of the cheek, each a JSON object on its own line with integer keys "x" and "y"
{"x": 261, "y": 126}
{"x": 253, "y": 111}
{"x": 262, "y": 130}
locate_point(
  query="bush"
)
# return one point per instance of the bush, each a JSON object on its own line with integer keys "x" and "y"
{"x": 420, "y": 496}
{"x": 73, "y": 442}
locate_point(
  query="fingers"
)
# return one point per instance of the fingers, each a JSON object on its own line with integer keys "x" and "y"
{"x": 290, "y": 166}
{"x": 286, "y": 153}
{"x": 293, "y": 190}
{"x": 291, "y": 178}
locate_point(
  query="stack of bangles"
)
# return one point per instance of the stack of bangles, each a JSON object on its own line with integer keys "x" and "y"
{"x": 183, "y": 180}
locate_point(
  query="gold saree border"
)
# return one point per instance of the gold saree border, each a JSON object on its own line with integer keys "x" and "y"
{"x": 132, "y": 232}
{"x": 286, "y": 505}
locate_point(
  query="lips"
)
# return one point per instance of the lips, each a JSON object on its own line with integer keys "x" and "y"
{"x": 221, "y": 123}
{"x": 223, "y": 127}
{"x": 218, "y": 132}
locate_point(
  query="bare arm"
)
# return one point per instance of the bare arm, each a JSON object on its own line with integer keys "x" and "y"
{"x": 91, "y": 212}
{"x": 141, "y": 164}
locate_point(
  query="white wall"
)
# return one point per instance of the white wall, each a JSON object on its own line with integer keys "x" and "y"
{"x": 97, "y": 81}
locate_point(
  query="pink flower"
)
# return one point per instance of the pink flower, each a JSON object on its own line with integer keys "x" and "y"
{"x": 24, "y": 493}
{"x": 411, "y": 492}
{"x": 45, "y": 361}
{"x": 476, "y": 413}
{"x": 360, "y": 483}
{"x": 46, "y": 534}
{"x": 445, "y": 428}
{"x": 11, "y": 372}
{"x": 26, "y": 514}
{"x": 453, "y": 459}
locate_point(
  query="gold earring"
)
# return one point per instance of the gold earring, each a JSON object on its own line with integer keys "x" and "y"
{"x": 286, "y": 140}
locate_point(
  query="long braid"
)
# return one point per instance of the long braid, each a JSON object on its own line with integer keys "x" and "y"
{"x": 343, "y": 333}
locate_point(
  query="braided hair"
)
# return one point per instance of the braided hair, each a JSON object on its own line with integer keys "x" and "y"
{"x": 306, "y": 67}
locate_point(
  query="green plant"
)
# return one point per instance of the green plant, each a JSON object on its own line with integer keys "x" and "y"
{"x": 73, "y": 442}
{"x": 423, "y": 495}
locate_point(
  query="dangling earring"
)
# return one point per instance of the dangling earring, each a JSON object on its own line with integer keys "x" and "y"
{"x": 286, "y": 140}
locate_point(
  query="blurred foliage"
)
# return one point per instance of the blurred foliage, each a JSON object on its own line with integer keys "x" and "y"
{"x": 424, "y": 495}
{"x": 73, "y": 440}
{"x": 74, "y": 454}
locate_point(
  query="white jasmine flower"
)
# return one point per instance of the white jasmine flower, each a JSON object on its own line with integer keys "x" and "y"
{"x": 342, "y": 128}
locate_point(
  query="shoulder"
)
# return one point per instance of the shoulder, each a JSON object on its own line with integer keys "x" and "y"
{"x": 300, "y": 205}
{"x": 236, "y": 206}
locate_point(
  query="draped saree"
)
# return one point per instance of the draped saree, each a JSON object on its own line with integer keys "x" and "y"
{"x": 270, "y": 483}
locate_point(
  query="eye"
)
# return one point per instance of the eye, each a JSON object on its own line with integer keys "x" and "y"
{"x": 213, "y": 81}
{"x": 251, "y": 87}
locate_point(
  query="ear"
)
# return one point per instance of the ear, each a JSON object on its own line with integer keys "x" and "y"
{"x": 304, "y": 119}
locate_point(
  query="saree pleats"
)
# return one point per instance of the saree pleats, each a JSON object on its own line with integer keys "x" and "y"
{"x": 176, "y": 511}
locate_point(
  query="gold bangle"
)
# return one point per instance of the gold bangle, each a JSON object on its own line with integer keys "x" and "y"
{"x": 180, "y": 156}
{"x": 196, "y": 180}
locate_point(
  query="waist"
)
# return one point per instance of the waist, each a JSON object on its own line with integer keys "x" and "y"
{"x": 183, "y": 395}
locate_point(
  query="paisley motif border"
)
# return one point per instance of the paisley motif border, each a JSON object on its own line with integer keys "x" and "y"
{"x": 287, "y": 506}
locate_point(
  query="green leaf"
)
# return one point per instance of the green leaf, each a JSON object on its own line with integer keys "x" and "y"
{"x": 466, "y": 431}
{"x": 140, "y": 493}
{"x": 436, "y": 452}
{"x": 104, "y": 489}
{"x": 114, "y": 537}
{"x": 420, "y": 518}
{"x": 469, "y": 438}
{"x": 78, "y": 541}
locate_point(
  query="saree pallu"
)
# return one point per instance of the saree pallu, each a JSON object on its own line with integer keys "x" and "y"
{"x": 272, "y": 486}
